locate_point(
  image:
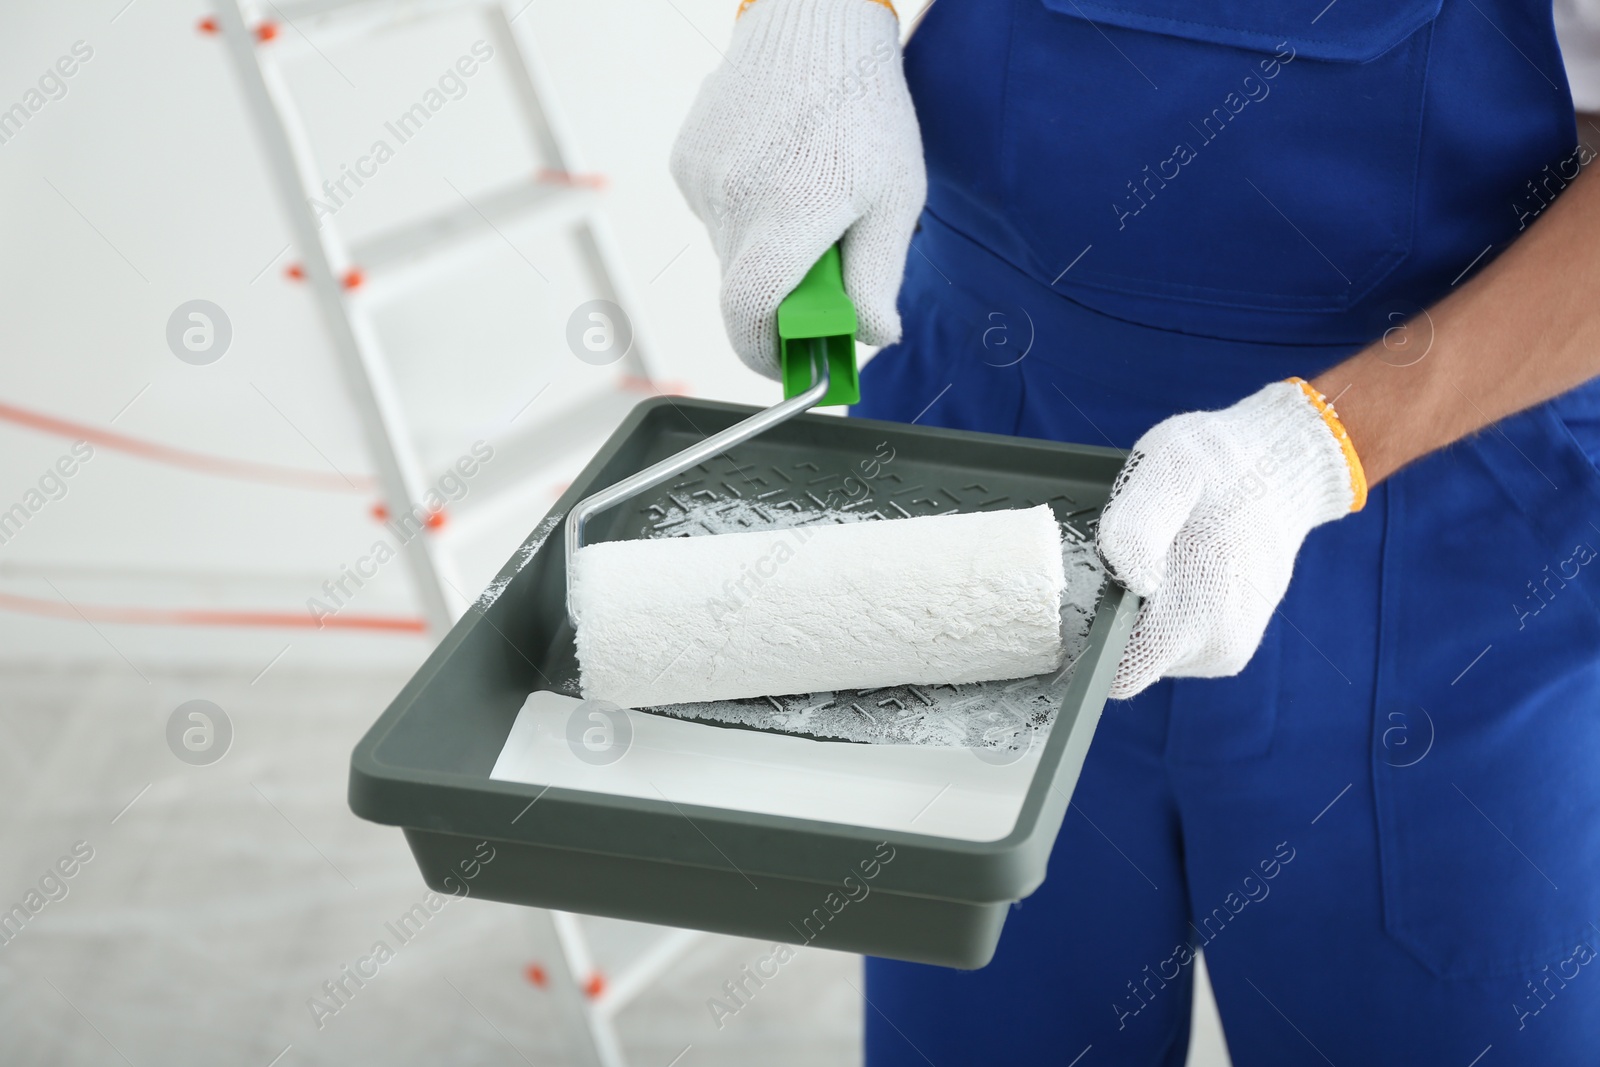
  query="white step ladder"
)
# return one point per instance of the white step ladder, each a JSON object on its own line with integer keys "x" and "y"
{"x": 349, "y": 277}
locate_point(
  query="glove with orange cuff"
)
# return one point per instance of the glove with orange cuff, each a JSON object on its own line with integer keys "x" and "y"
{"x": 803, "y": 135}
{"x": 1206, "y": 518}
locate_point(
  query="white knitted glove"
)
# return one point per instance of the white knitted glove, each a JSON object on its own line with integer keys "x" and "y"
{"x": 805, "y": 133}
{"x": 1206, "y": 518}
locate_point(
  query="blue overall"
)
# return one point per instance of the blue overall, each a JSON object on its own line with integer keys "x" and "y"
{"x": 1385, "y": 832}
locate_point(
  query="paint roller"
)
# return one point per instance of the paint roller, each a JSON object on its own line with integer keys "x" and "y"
{"x": 931, "y": 600}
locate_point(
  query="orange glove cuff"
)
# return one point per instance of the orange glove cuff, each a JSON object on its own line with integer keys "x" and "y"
{"x": 1358, "y": 476}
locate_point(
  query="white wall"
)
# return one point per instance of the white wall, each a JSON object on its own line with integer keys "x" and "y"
{"x": 144, "y": 187}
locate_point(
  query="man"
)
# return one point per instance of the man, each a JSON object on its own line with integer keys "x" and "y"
{"x": 1330, "y": 271}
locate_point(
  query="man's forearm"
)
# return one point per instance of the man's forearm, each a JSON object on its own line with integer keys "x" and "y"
{"x": 1525, "y": 329}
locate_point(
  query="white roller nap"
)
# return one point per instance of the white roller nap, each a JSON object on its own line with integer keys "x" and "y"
{"x": 924, "y": 601}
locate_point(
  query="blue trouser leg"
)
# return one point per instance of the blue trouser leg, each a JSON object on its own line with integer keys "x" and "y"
{"x": 1114, "y": 895}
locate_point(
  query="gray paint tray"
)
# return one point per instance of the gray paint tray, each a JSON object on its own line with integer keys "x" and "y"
{"x": 640, "y": 833}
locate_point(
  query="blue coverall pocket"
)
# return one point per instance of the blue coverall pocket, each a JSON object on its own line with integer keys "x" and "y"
{"x": 1487, "y": 715}
{"x": 1236, "y": 154}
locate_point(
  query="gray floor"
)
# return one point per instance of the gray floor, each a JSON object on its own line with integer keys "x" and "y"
{"x": 219, "y": 898}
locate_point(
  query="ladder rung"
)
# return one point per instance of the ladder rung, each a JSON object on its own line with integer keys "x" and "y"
{"x": 576, "y": 428}
{"x": 486, "y": 217}
{"x": 316, "y": 27}
{"x": 377, "y": 11}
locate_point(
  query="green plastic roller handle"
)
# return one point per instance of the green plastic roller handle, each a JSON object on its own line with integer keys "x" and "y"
{"x": 816, "y": 315}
